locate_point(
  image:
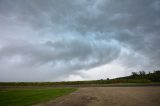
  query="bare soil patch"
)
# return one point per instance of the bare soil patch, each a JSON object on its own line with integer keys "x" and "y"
{"x": 110, "y": 96}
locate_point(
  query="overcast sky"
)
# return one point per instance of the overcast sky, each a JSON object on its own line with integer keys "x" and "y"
{"x": 56, "y": 40}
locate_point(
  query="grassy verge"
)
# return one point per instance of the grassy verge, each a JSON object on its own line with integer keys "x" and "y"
{"x": 27, "y": 97}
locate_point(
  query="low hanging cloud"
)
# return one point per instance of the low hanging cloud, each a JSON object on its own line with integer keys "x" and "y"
{"x": 55, "y": 40}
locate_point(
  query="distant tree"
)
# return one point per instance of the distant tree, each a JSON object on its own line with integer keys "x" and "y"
{"x": 134, "y": 73}
{"x": 157, "y": 72}
{"x": 142, "y": 73}
{"x": 107, "y": 78}
{"x": 156, "y": 76}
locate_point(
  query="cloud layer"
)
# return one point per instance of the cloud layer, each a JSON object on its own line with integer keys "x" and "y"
{"x": 55, "y": 40}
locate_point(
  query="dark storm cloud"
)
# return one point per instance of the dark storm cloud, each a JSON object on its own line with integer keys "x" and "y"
{"x": 52, "y": 38}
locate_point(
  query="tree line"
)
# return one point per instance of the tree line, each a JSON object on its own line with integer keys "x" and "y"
{"x": 142, "y": 75}
{"x": 135, "y": 77}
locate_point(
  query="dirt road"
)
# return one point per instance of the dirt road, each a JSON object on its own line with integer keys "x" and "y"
{"x": 110, "y": 96}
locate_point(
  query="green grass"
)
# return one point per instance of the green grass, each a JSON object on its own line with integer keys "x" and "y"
{"x": 27, "y": 97}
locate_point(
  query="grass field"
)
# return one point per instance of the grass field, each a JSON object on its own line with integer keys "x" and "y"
{"x": 27, "y": 97}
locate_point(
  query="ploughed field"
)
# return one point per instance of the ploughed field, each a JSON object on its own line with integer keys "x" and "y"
{"x": 109, "y": 96}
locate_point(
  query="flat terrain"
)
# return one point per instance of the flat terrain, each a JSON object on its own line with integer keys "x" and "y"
{"x": 110, "y": 96}
{"x": 30, "y": 96}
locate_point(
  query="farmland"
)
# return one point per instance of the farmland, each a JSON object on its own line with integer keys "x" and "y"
{"x": 110, "y": 96}
{"x": 81, "y": 96}
{"x": 27, "y": 97}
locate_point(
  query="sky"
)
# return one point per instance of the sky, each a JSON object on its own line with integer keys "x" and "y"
{"x": 67, "y": 40}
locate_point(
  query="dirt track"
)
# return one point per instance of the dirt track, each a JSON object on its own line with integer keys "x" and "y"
{"x": 110, "y": 96}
